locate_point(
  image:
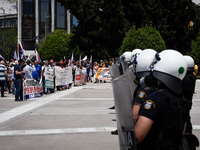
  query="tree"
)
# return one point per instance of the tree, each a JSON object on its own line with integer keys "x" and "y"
{"x": 195, "y": 52}
{"x": 10, "y": 36}
{"x": 101, "y": 27}
{"x": 103, "y": 23}
{"x": 56, "y": 45}
{"x": 142, "y": 38}
{"x": 170, "y": 17}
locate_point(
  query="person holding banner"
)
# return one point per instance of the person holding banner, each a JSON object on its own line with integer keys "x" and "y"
{"x": 52, "y": 68}
{"x": 18, "y": 72}
{"x": 95, "y": 70}
{"x": 43, "y": 72}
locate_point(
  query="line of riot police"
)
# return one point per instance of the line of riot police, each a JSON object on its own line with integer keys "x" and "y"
{"x": 153, "y": 97}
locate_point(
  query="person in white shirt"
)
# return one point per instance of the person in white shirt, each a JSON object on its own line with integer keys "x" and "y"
{"x": 46, "y": 63}
{"x": 28, "y": 70}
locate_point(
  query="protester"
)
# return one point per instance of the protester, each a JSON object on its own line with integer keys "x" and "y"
{"x": 13, "y": 79}
{"x": 88, "y": 70}
{"x": 18, "y": 72}
{"x": 46, "y": 63}
{"x": 9, "y": 78}
{"x": 95, "y": 69}
{"x": 52, "y": 68}
{"x": 28, "y": 70}
{"x": 37, "y": 73}
{"x": 3, "y": 76}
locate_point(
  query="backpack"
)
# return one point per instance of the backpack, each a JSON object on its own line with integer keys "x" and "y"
{"x": 171, "y": 136}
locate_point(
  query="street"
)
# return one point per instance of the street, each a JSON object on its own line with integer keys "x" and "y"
{"x": 73, "y": 119}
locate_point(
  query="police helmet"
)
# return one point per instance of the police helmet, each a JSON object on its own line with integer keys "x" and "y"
{"x": 190, "y": 63}
{"x": 143, "y": 61}
{"x": 126, "y": 56}
{"x": 170, "y": 69}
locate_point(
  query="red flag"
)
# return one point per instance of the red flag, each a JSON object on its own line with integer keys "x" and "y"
{"x": 20, "y": 50}
{"x": 37, "y": 56}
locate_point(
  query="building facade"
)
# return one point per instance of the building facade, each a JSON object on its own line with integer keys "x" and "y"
{"x": 38, "y": 18}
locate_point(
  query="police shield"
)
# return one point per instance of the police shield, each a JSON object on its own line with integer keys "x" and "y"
{"x": 123, "y": 87}
{"x": 124, "y": 65}
{"x": 114, "y": 71}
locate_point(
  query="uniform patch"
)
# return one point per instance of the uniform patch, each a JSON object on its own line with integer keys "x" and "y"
{"x": 148, "y": 104}
{"x": 142, "y": 94}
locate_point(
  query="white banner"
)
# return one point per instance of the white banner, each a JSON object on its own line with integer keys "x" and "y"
{"x": 63, "y": 76}
{"x": 103, "y": 74}
{"x": 80, "y": 76}
{"x": 49, "y": 82}
{"x": 32, "y": 89}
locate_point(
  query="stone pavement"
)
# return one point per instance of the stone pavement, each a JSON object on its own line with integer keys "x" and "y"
{"x": 72, "y": 119}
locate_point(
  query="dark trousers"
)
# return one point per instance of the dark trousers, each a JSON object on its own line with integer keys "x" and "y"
{"x": 43, "y": 84}
{"x": 8, "y": 85}
{"x": 2, "y": 83}
{"x": 19, "y": 90}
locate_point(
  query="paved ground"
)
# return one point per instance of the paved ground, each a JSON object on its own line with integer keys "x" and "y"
{"x": 73, "y": 119}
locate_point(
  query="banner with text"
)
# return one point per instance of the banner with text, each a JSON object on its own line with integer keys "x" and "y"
{"x": 63, "y": 76}
{"x": 49, "y": 82}
{"x": 80, "y": 76}
{"x": 103, "y": 74}
{"x": 32, "y": 89}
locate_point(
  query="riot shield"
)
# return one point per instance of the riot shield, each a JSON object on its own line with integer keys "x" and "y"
{"x": 114, "y": 71}
{"x": 123, "y": 87}
{"x": 124, "y": 65}
{"x": 130, "y": 78}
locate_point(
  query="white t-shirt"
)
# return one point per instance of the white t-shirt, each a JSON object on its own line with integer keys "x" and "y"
{"x": 13, "y": 76}
{"x": 28, "y": 71}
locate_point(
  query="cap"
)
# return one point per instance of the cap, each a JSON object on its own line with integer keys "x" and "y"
{"x": 51, "y": 61}
{"x": 61, "y": 62}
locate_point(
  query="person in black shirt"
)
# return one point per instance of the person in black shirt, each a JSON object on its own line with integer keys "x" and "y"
{"x": 18, "y": 72}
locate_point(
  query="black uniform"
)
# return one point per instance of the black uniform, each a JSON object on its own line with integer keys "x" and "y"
{"x": 166, "y": 128}
{"x": 188, "y": 87}
{"x": 140, "y": 95}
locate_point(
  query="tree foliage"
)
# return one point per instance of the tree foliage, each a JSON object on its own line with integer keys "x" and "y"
{"x": 56, "y": 45}
{"x": 195, "y": 52}
{"x": 10, "y": 39}
{"x": 142, "y": 38}
{"x": 101, "y": 27}
{"x": 170, "y": 17}
{"x": 103, "y": 23}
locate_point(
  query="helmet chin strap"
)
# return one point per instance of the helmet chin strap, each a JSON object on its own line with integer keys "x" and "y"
{"x": 149, "y": 81}
{"x": 156, "y": 59}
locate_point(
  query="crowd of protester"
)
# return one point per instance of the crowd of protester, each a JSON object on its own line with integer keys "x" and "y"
{"x": 13, "y": 73}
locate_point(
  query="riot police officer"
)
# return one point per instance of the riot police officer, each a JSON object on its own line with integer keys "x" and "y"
{"x": 188, "y": 87}
{"x": 141, "y": 64}
{"x": 161, "y": 121}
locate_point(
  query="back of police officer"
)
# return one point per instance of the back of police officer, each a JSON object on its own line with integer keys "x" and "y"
{"x": 188, "y": 87}
{"x": 163, "y": 114}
